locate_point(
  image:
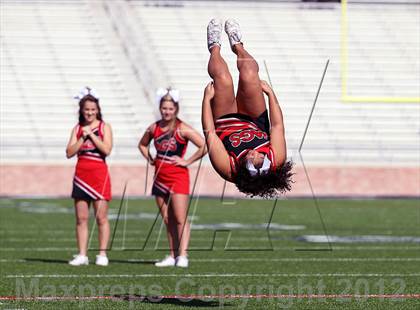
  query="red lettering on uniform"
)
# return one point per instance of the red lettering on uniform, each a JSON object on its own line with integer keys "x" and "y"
{"x": 88, "y": 145}
{"x": 245, "y": 136}
{"x": 166, "y": 145}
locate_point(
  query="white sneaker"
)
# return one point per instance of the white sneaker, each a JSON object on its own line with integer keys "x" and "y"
{"x": 214, "y": 33}
{"x": 168, "y": 261}
{"x": 182, "y": 261}
{"x": 233, "y": 31}
{"x": 101, "y": 260}
{"x": 79, "y": 260}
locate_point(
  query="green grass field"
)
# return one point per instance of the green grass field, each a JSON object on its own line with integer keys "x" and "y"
{"x": 246, "y": 254}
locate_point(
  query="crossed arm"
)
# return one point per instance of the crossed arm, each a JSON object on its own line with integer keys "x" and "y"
{"x": 104, "y": 146}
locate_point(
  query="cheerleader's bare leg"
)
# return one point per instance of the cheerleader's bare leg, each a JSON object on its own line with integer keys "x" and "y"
{"x": 179, "y": 205}
{"x": 82, "y": 230}
{"x": 224, "y": 97}
{"x": 250, "y": 98}
{"x": 101, "y": 215}
{"x": 170, "y": 225}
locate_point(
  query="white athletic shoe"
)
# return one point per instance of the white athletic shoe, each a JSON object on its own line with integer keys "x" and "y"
{"x": 233, "y": 31}
{"x": 79, "y": 260}
{"x": 168, "y": 261}
{"x": 101, "y": 260}
{"x": 214, "y": 33}
{"x": 182, "y": 261}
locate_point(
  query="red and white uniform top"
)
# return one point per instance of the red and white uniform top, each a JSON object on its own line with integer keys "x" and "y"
{"x": 239, "y": 136}
{"x": 168, "y": 143}
{"x": 89, "y": 149}
{"x": 91, "y": 179}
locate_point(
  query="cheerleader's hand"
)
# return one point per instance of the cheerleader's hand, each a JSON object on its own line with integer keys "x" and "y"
{"x": 178, "y": 161}
{"x": 86, "y": 131}
{"x": 151, "y": 161}
{"x": 266, "y": 88}
{"x": 209, "y": 91}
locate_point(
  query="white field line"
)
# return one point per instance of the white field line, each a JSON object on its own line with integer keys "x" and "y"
{"x": 214, "y": 275}
{"x": 284, "y": 259}
{"x": 235, "y": 231}
{"x": 204, "y": 248}
{"x": 140, "y": 239}
{"x": 238, "y": 234}
{"x": 51, "y": 249}
{"x": 250, "y": 228}
{"x": 293, "y": 259}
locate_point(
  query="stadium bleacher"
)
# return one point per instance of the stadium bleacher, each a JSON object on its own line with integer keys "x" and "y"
{"x": 125, "y": 49}
{"x": 49, "y": 50}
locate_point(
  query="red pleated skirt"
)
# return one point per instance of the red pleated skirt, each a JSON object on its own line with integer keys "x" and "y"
{"x": 91, "y": 180}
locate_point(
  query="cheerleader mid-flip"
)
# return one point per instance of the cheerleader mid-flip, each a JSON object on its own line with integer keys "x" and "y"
{"x": 246, "y": 144}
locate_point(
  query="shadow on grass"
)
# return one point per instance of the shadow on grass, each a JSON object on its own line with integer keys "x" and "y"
{"x": 122, "y": 261}
{"x": 111, "y": 261}
{"x": 46, "y": 260}
{"x": 171, "y": 301}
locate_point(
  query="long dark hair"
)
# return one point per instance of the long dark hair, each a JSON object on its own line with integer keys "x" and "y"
{"x": 268, "y": 185}
{"x": 82, "y": 120}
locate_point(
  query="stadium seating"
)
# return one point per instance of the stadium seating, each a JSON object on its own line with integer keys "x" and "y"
{"x": 50, "y": 49}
